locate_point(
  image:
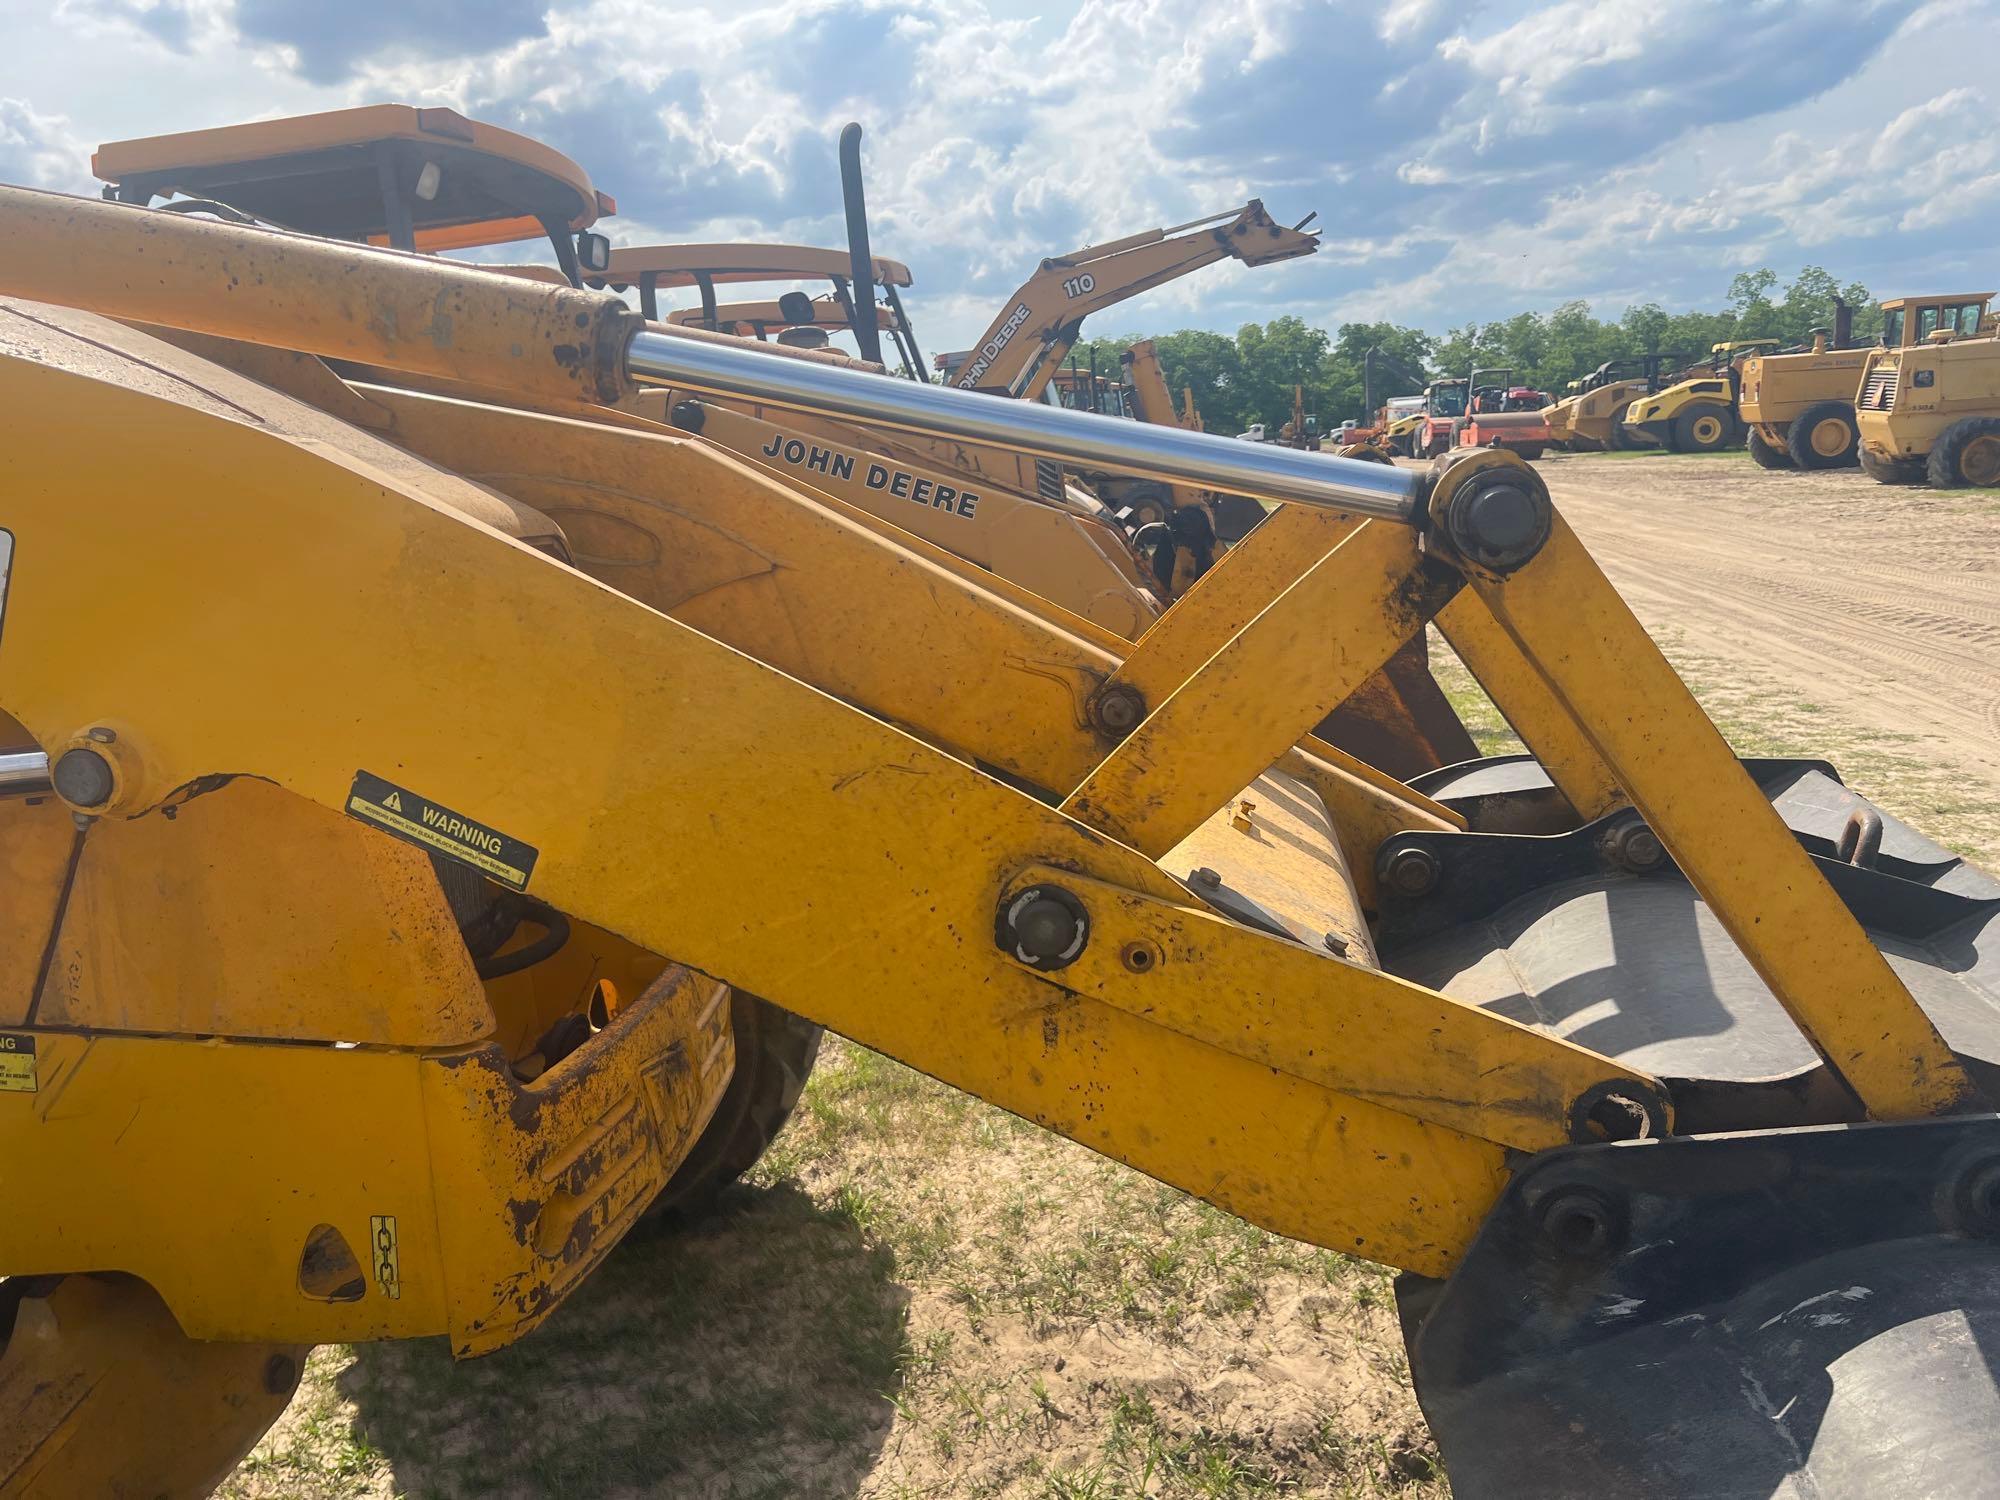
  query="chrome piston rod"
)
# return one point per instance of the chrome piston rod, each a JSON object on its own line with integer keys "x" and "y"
{"x": 709, "y": 367}
{"x": 23, "y": 773}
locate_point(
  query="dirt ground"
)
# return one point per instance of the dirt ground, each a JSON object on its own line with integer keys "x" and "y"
{"x": 1881, "y": 602}
{"x": 918, "y": 1295}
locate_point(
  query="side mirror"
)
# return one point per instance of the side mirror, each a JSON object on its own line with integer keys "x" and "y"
{"x": 797, "y": 307}
{"x": 593, "y": 251}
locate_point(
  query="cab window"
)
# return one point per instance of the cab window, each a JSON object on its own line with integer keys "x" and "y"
{"x": 1892, "y": 329}
{"x": 1962, "y": 319}
{"x": 1927, "y": 322}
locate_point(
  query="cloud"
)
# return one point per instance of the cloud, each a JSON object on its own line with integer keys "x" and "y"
{"x": 1465, "y": 160}
{"x": 39, "y": 150}
{"x": 327, "y": 41}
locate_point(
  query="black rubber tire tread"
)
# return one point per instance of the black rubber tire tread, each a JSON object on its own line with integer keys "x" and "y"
{"x": 1891, "y": 470}
{"x": 1684, "y": 438}
{"x": 1529, "y": 453}
{"x": 1764, "y": 455}
{"x": 1945, "y": 466}
{"x": 1798, "y": 439}
{"x": 775, "y": 1052}
{"x": 1624, "y": 439}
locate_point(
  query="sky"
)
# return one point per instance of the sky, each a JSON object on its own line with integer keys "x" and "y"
{"x": 1467, "y": 161}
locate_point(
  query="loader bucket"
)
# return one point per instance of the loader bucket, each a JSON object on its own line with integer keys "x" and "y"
{"x": 1793, "y": 1337}
{"x": 1753, "y": 1313}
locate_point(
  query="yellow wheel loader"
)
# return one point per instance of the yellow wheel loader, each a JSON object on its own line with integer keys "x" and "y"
{"x": 1400, "y": 430}
{"x": 1799, "y": 410}
{"x": 1928, "y": 410}
{"x": 1697, "y": 414}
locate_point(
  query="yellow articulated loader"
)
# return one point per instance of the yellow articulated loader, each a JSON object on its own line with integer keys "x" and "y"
{"x": 1928, "y": 408}
{"x": 403, "y": 794}
{"x": 1697, "y": 414}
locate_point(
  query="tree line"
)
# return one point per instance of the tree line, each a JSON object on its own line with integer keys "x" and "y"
{"x": 1249, "y": 378}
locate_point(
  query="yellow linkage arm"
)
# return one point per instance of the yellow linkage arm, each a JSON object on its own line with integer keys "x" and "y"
{"x": 1604, "y": 675}
{"x": 698, "y": 803}
{"x": 1265, "y": 688}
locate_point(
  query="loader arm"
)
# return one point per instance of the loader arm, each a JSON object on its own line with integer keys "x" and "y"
{"x": 1029, "y": 337}
{"x": 263, "y": 725}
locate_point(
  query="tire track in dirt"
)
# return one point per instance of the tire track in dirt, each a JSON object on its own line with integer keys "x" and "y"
{"x": 1881, "y": 604}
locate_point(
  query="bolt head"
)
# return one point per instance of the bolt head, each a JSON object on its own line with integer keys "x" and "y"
{"x": 83, "y": 778}
{"x": 1500, "y": 521}
{"x": 1118, "y": 710}
{"x": 1045, "y": 927}
{"x": 1580, "y": 1224}
{"x": 1637, "y": 848}
{"x": 1412, "y": 870}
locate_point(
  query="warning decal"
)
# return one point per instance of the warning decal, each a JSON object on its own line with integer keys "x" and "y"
{"x": 17, "y": 1063}
{"x": 400, "y": 811}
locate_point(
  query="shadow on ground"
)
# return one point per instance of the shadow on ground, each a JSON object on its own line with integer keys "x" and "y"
{"x": 754, "y": 1355}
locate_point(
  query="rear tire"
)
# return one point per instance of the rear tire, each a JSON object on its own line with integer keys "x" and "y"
{"x": 775, "y": 1051}
{"x": 1966, "y": 454}
{"x": 1530, "y": 453}
{"x": 1891, "y": 470}
{"x": 1706, "y": 428}
{"x": 1766, "y": 455}
{"x": 1824, "y": 436}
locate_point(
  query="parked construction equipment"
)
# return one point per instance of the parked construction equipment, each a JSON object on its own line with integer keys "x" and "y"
{"x": 1591, "y": 417}
{"x": 1444, "y": 409}
{"x": 1473, "y": 412}
{"x": 389, "y": 174}
{"x": 1697, "y": 414}
{"x": 1797, "y": 409}
{"x": 1035, "y": 328}
{"x": 1928, "y": 409}
{"x": 1500, "y": 415}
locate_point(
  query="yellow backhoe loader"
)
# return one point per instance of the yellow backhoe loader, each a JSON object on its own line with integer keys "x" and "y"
{"x": 1035, "y": 328}
{"x": 1697, "y": 414}
{"x": 1928, "y": 409}
{"x": 395, "y": 782}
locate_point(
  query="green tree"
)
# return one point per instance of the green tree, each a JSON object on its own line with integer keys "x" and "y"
{"x": 1249, "y": 378}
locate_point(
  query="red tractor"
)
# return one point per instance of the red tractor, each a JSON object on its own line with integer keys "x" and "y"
{"x": 1444, "y": 410}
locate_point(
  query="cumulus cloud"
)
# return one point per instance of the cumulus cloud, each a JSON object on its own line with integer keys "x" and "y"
{"x": 1465, "y": 159}
{"x": 40, "y": 150}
